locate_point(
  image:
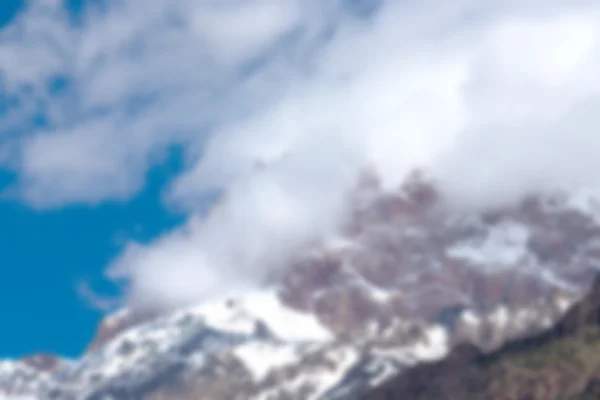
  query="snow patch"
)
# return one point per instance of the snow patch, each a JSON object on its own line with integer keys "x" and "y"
{"x": 504, "y": 245}
{"x": 225, "y": 316}
{"x": 563, "y": 303}
{"x": 499, "y": 317}
{"x": 240, "y": 316}
{"x": 586, "y": 201}
{"x": 344, "y": 360}
{"x": 261, "y": 357}
{"x": 524, "y": 316}
{"x": 287, "y": 324}
{"x": 319, "y": 379}
{"x": 434, "y": 344}
{"x": 470, "y": 318}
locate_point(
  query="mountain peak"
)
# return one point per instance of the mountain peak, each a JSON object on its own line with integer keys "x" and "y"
{"x": 536, "y": 367}
{"x": 407, "y": 278}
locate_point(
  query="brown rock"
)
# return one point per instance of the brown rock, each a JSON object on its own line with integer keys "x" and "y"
{"x": 547, "y": 366}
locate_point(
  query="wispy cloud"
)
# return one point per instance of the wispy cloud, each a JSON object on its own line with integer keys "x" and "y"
{"x": 134, "y": 78}
{"x": 497, "y": 99}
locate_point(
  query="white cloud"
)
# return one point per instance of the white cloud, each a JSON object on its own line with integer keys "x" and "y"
{"x": 238, "y": 31}
{"x": 141, "y": 76}
{"x": 497, "y": 99}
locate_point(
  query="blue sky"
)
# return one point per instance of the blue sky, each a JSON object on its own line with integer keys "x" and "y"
{"x": 51, "y": 248}
{"x": 46, "y": 255}
{"x": 119, "y": 120}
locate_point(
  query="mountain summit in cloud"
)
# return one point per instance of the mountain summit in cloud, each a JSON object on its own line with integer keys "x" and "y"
{"x": 495, "y": 101}
{"x": 407, "y": 279}
{"x": 306, "y": 120}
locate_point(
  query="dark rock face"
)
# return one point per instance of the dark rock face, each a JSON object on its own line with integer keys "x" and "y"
{"x": 425, "y": 258}
{"x": 560, "y": 363}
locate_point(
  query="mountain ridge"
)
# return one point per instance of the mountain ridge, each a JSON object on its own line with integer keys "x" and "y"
{"x": 407, "y": 279}
{"x": 459, "y": 376}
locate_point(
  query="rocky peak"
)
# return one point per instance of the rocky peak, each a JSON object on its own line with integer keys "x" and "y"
{"x": 43, "y": 362}
{"x": 110, "y": 327}
{"x": 584, "y": 313}
{"x": 406, "y": 279}
{"x": 535, "y": 367}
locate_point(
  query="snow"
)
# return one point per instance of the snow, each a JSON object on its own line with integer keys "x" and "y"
{"x": 375, "y": 292}
{"x": 500, "y": 316}
{"x": 115, "y": 362}
{"x": 240, "y": 316}
{"x": 113, "y": 319}
{"x": 524, "y": 316}
{"x": 434, "y": 346}
{"x": 383, "y": 375}
{"x": 395, "y": 325}
{"x": 345, "y": 359}
{"x": 21, "y": 375}
{"x": 221, "y": 316}
{"x": 404, "y": 355}
{"x": 586, "y": 201}
{"x": 563, "y": 303}
{"x": 262, "y": 357}
{"x": 7, "y": 366}
{"x": 552, "y": 278}
{"x": 234, "y": 322}
{"x": 470, "y": 318}
{"x": 319, "y": 378}
{"x": 287, "y": 324}
{"x": 505, "y": 245}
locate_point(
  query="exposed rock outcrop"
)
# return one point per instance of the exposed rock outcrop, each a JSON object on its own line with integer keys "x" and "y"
{"x": 560, "y": 363}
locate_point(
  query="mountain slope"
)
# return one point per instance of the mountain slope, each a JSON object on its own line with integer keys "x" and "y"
{"x": 407, "y": 278}
{"x": 561, "y": 363}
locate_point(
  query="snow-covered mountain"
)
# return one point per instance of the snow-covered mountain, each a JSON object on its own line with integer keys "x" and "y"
{"x": 406, "y": 279}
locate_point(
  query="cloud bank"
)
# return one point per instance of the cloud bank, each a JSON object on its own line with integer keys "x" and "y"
{"x": 279, "y": 104}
